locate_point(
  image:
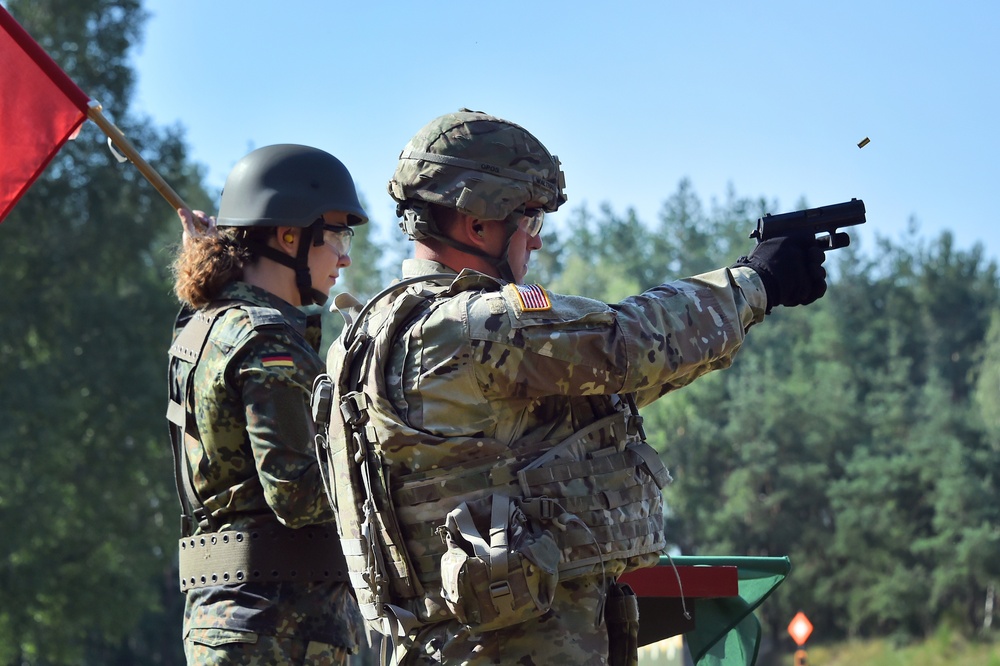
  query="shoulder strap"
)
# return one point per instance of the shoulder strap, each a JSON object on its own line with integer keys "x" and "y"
{"x": 385, "y": 292}
{"x": 385, "y": 575}
{"x": 264, "y": 316}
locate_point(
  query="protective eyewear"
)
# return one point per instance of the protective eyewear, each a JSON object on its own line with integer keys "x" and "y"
{"x": 530, "y": 221}
{"x": 338, "y": 238}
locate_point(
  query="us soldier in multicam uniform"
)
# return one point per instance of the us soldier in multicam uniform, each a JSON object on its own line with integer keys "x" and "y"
{"x": 260, "y": 559}
{"x": 486, "y": 453}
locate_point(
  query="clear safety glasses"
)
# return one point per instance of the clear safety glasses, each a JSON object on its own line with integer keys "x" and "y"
{"x": 530, "y": 220}
{"x": 338, "y": 238}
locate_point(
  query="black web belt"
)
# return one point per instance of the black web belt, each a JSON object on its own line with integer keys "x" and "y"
{"x": 267, "y": 555}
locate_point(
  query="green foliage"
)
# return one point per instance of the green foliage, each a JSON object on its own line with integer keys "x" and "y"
{"x": 87, "y": 507}
{"x": 987, "y": 392}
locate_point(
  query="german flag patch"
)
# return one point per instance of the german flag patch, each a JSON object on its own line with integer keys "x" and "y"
{"x": 278, "y": 361}
{"x": 532, "y": 297}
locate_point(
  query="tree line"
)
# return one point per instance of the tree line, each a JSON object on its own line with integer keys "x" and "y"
{"x": 859, "y": 436}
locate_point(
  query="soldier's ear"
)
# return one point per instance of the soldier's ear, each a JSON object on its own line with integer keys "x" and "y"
{"x": 469, "y": 230}
{"x": 285, "y": 237}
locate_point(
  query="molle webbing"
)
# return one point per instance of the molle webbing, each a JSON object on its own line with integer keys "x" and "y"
{"x": 610, "y": 483}
{"x": 268, "y": 555}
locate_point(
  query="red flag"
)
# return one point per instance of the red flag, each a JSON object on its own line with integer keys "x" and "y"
{"x": 40, "y": 109}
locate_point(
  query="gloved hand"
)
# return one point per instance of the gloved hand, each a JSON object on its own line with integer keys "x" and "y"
{"x": 791, "y": 268}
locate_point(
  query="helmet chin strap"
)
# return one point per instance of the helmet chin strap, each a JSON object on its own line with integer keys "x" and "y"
{"x": 503, "y": 262}
{"x": 417, "y": 222}
{"x": 303, "y": 278}
{"x": 499, "y": 263}
{"x": 299, "y": 264}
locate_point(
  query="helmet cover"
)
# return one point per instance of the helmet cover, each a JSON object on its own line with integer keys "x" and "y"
{"x": 481, "y": 165}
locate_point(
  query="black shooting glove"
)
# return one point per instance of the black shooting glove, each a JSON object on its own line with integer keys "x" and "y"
{"x": 791, "y": 268}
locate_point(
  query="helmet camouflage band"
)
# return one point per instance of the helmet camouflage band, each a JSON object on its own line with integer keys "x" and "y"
{"x": 481, "y": 165}
{"x": 288, "y": 185}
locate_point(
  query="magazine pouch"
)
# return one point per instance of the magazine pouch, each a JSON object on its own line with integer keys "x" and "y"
{"x": 504, "y": 578}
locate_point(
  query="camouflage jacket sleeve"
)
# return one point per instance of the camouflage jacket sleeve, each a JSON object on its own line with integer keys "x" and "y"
{"x": 651, "y": 343}
{"x": 275, "y": 376}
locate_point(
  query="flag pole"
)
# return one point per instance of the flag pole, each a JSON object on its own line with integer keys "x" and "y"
{"x": 95, "y": 113}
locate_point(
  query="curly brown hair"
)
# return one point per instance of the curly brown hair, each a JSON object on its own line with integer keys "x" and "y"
{"x": 208, "y": 263}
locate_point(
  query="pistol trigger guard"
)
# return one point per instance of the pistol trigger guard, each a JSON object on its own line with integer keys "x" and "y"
{"x": 839, "y": 239}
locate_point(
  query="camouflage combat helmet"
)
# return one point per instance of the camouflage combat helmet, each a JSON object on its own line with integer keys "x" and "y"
{"x": 480, "y": 165}
{"x": 288, "y": 185}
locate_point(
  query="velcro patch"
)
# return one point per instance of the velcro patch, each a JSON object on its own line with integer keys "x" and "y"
{"x": 278, "y": 361}
{"x": 532, "y": 297}
{"x": 497, "y": 304}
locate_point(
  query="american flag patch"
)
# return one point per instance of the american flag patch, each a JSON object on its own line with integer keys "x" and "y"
{"x": 278, "y": 361}
{"x": 532, "y": 297}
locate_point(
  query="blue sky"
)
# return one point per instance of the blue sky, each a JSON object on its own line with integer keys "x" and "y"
{"x": 770, "y": 98}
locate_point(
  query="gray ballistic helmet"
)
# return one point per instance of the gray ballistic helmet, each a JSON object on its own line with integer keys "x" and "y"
{"x": 288, "y": 185}
{"x": 479, "y": 164}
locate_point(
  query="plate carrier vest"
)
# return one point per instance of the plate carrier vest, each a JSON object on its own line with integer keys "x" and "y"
{"x": 270, "y": 554}
{"x": 598, "y": 491}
